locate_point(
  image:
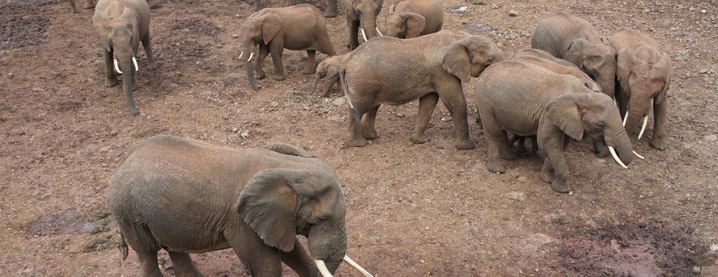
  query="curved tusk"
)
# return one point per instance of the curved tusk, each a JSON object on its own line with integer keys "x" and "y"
{"x": 638, "y": 155}
{"x": 615, "y": 157}
{"x": 250, "y": 56}
{"x": 241, "y": 54}
{"x": 643, "y": 127}
{"x": 134, "y": 61}
{"x": 323, "y": 268}
{"x": 117, "y": 68}
{"x": 625, "y": 117}
{"x": 363, "y": 34}
{"x": 357, "y": 266}
{"x": 379, "y": 32}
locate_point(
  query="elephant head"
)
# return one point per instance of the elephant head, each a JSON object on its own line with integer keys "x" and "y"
{"x": 116, "y": 28}
{"x": 469, "y": 57}
{"x": 365, "y": 11}
{"x": 261, "y": 27}
{"x": 404, "y": 24}
{"x": 328, "y": 68}
{"x": 643, "y": 77}
{"x": 596, "y": 115}
{"x": 280, "y": 203}
{"x": 597, "y": 60}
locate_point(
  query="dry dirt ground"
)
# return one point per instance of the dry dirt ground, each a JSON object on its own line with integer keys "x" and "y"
{"x": 413, "y": 210}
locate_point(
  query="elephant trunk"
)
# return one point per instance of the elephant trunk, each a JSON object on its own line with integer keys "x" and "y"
{"x": 608, "y": 84}
{"x": 618, "y": 139}
{"x": 368, "y": 25}
{"x": 636, "y": 113}
{"x": 328, "y": 244}
{"x": 127, "y": 65}
{"x": 316, "y": 81}
{"x": 250, "y": 69}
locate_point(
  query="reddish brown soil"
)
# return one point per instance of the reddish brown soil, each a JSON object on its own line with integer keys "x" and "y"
{"x": 413, "y": 210}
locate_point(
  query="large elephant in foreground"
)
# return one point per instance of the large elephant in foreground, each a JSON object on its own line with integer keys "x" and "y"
{"x": 644, "y": 76}
{"x": 187, "y": 196}
{"x": 299, "y": 27}
{"x": 361, "y": 15}
{"x": 577, "y": 41}
{"x": 526, "y": 100}
{"x": 413, "y": 18}
{"x": 120, "y": 25}
{"x": 395, "y": 71}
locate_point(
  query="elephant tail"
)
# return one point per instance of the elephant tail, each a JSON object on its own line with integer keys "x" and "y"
{"x": 352, "y": 110}
{"x": 123, "y": 246}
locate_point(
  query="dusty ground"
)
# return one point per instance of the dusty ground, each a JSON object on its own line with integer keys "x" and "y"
{"x": 414, "y": 210}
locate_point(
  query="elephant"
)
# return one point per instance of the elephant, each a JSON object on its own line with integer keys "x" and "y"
{"x": 644, "y": 74}
{"x": 299, "y": 27}
{"x": 89, "y": 4}
{"x": 413, "y": 18}
{"x": 120, "y": 25}
{"x": 577, "y": 41}
{"x": 188, "y": 196}
{"x": 388, "y": 70}
{"x": 526, "y": 99}
{"x": 361, "y": 14}
{"x": 328, "y": 68}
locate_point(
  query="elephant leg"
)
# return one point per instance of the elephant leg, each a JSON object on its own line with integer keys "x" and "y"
{"x": 256, "y": 5}
{"x": 151, "y": 63}
{"x": 257, "y": 257}
{"x": 329, "y": 82}
{"x": 546, "y": 171}
{"x": 183, "y": 264}
{"x": 331, "y": 10}
{"x": 354, "y": 132}
{"x": 299, "y": 260}
{"x": 146, "y": 247}
{"x": 89, "y": 4}
{"x": 495, "y": 140}
{"x": 110, "y": 74}
{"x": 339, "y": 85}
{"x": 553, "y": 147}
{"x": 353, "y": 41}
{"x": 263, "y": 52}
{"x": 534, "y": 146}
{"x": 600, "y": 148}
{"x": 367, "y": 124}
{"x": 427, "y": 103}
{"x": 276, "y": 48}
{"x": 72, "y": 5}
{"x": 451, "y": 93}
{"x": 311, "y": 62}
{"x": 659, "y": 124}
{"x": 520, "y": 147}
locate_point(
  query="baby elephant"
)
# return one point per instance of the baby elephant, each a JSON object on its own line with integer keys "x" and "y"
{"x": 329, "y": 68}
{"x": 188, "y": 196}
{"x": 413, "y": 18}
{"x": 299, "y": 27}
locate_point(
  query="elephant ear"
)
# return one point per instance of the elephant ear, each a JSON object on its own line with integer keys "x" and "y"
{"x": 289, "y": 150}
{"x": 415, "y": 24}
{"x": 666, "y": 63}
{"x": 392, "y": 9}
{"x": 271, "y": 24}
{"x": 268, "y": 203}
{"x": 457, "y": 61}
{"x": 574, "y": 52}
{"x": 98, "y": 23}
{"x": 565, "y": 112}
{"x": 625, "y": 61}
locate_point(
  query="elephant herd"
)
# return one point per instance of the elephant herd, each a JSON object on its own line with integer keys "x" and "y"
{"x": 188, "y": 196}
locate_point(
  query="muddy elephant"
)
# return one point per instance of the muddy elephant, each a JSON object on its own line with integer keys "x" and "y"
{"x": 644, "y": 76}
{"x": 188, "y": 196}
{"x": 577, "y": 41}
{"x": 395, "y": 71}
{"x": 328, "y": 68}
{"x": 120, "y": 25}
{"x": 299, "y": 27}
{"x": 413, "y": 18}
{"x": 526, "y": 99}
{"x": 361, "y": 15}
{"x": 89, "y": 4}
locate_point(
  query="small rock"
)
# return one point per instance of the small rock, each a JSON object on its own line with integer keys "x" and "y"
{"x": 235, "y": 129}
{"x": 235, "y": 36}
{"x": 340, "y": 101}
{"x": 711, "y": 137}
{"x": 427, "y": 228}
{"x": 703, "y": 71}
{"x": 703, "y": 12}
{"x": 400, "y": 115}
{"x": 10, "y": 75}
{"x": 446, "y": 119}
{"x": 516, "y": 195}
{"x": 245, "y": 134}
{"x": 714, "y": 247}
{"x": 275, "y": 104}
{"x": 697, "y": 269}
{"x": 513, "y": 13}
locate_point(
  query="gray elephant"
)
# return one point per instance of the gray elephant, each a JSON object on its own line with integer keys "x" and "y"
{"x": 527, "y": 100}
{"x": 188, "y": 196}
{"x": 299, "y": 27}
{"x": 120, "y": 25}
{"x": 644, "y": 76}
{"x": 395, "y": 71}
{"x": 413, "y": 18}
{"x": 89, "y": 4}
{"x": 577, "y": 41}
{"x": 329, "y": 68}
{"x": 361, "y": 15}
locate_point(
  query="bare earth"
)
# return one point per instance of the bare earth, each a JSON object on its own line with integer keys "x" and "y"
{"x": 413, "y": 210}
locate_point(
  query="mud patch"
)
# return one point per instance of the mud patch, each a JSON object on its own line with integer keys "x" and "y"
{"x": 19, "y": 32}
{"x": 61, "y": 223}
{"x": 634, "y": 248}
{"x": 197, "y": 26}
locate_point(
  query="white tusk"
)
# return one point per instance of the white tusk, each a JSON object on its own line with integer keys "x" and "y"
{"x": 363, "y": 34}
{"x": 625, "y": 117}
{"x": 615, "y": 157}
{"x": 643, "y": 127}
{"x": 250, "y": 56}
{"x": 323, "y": 268}
{"x": 638, "y": 155}
{"x": 117, "y": 68}
{"x": 357, "y": 266}
{"x": 134, "y": 61}
{"x": 377, "y": 30}
{"x": 241, "y": 54}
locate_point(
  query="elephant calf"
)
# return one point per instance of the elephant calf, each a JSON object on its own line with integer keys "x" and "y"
{"x": 187, "y": 196}
{"x": 526, "y": 99}
{"x": 413, "y": 18}
{"x": 388, "y": 70}
{"x": 329, "y": 68}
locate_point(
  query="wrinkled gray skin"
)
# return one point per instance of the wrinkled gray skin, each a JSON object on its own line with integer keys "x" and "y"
{"x": 299, "y": 27}
{"x": 526, "y": 99}
{"x": 188, "y": 196}
{"x": 361, "y": 13}
{"x": 413, "y": 18}
{"x": 89, "y": 4}
{"x": 644, "y": 76}
{"x": 395, "y": 71}
{"x": 575, "y": 40}
{"x": 120, "y": 25}
{"x": 329, "y": 68}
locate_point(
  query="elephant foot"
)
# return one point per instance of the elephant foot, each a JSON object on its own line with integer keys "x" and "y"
{"x": 508, "y": 155}
{"x": 546, "y": 176}
{"x": 369, "y": 133}
{"x": 658, "y": 143}
{"x": 260, "y": 75}
{"x": 494, "y": 165}
{"x": 464, "y": 144}
{"x": 279, "y": 77}
{"x": 308, "y": 71}
{"x": 331, "y": 11}
{"x": 419, "y": 139}
{"x": 357, "y": 142}
{"x": 152, "y": 67}
{"x": 88, "y": 5}
{"x": 560, "y": 186}
{"x": 111, "y": 82}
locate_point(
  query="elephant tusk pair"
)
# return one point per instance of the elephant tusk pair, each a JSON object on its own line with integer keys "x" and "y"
{"x": 615, "y": 157}
{"x": 325, "y": 271}
{"x": 134, "y": 61}
{"x": 363, "y": 34}
{"x": 250, "y": 56}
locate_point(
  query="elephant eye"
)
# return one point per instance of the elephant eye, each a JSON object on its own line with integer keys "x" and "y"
{"x": 601, "y": 125}
{"x": 491, "y": 59}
